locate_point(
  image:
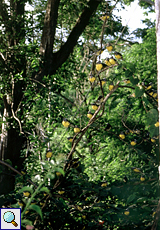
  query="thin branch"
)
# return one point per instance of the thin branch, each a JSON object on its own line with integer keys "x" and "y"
{"x": 126, "y": 40}
{"x": 16, "y": 171}
{"x": 12, "y": 106}
{"x": 2, "y": 56}
{"x": 37, "y": 82}
{"x": 72, "y": 103}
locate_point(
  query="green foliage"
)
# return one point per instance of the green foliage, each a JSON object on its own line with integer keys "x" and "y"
{"x": 97, "y": 182}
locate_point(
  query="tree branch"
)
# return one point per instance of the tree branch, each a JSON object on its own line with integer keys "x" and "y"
{"x": 16, "y": 171}
{"x": 82, "y": 22}
{"x": 91, "y": 121}
{"x": 49, "y": 29}
{"x": 54, "y": 61}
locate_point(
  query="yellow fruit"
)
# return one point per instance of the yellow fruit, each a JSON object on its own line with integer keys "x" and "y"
{"x": 112, "y": 61}
{"x": 65, "y": 123}
{"x": 133, "y": 143}
{"x": 94, "y": 106}
{"x": 77, "y": 130}
{"x": 127, "y": 81}
{"x": 122, "y": 136}
{"x": 109, "y": 47}
{"x": 61, "y": 192}
{"x": 118, "y": 55}
{"x": 107, "y": 62}
{"x": 126, "y": 213}
{"x": 111, "y": 86}
{"x": 23, "y": 172}
{"x": 99, "y": 66}
{"x": 104, "y": 185}
{"x": 42, "y": 203}
{"x": 157, "y": 124}
{"x": 142, "y": 178}
{"x": 49, "y": 154}
{"x": 92, "y": 79}
{"x": 89, "y": 115}
{"x": 79, "y": 208}
{"x": 153, "y": 213}
{"x": 154, "y": 95}
{"x": 137, "y": 170}
{"x": 26, "y": 194}
{"x": 70, "y": 139}
{"x": 58, "y": 174}
{"x": 104, "y": 17}
{"x": 103, "y": 81}
{"x": 149, "y": 86}
{"x": 153, "y": 139}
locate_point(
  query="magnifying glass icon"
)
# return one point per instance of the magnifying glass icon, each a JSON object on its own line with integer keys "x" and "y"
{"x": 9, "y": 217}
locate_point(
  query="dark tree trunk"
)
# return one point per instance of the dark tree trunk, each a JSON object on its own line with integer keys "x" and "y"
{"x": 12, "y": 141}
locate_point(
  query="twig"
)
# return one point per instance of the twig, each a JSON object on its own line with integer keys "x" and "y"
{"x": 16, "y": 171}
{"x": 12, "y": 110}
{"x": 2, "y": 56}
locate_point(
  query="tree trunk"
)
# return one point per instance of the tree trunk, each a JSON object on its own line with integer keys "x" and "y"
{"x": 12, "y": 142}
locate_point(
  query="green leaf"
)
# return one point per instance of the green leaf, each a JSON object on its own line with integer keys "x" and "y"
{"x": 8, "y": 161}
{"x": 153, "y": 114}
{"x": 51, "y": 175}
{"x": 154, "y": 131}
{"x": 60, "y": 170}
{"x": 139, "y": 92}
{"x": 26, "y": 222}
{"x": 26, "y": 188}
{"x": 37, "y": 209}
{"x": 131, "y": 198}
{"x": 152, "y": 117}
{"x": 90, "y": 143}
{"x": 45, "y": 189}
{"x": 134, "y": 81}
{"x": 146, "y": 101}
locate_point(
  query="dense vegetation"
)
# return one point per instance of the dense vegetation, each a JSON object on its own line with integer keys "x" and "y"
{"x": 79, "y": 143}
